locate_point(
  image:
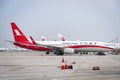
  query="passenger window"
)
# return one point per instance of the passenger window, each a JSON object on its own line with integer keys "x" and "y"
{"x": 91, "y": 43}
{"x": 85, "y": 42}
{"x": 95, "y": 43}
{"x": 80, "y": 42}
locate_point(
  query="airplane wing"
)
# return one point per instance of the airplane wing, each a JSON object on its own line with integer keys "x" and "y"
{"x": 53, "y": 46}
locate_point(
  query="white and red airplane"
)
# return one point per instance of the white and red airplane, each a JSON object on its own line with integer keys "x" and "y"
{"x": 43, "y": 38}
{"x": 60, "y": 47}
{"x": 61, "y": 37}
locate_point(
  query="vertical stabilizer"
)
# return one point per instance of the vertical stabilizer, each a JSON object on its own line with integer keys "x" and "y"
{"x": 18, "y": 34}
{"x": 61, "y": 37}
{"x": 43, "y": 38}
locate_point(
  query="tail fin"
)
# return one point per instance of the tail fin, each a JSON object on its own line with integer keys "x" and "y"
{"x": 33, "y": 41}
{"x": 43, "y": 38}
{"x": 18, "y": 34}
{"x": 61, "y": 37}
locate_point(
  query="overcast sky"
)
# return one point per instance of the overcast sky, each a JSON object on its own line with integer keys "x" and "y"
{"x": 97, "y": 20}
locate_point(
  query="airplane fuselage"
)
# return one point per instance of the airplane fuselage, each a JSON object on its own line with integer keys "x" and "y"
{"x": 81, "y": 45}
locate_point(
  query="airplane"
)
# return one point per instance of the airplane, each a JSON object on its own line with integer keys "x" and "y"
{"x": 43, "y": 38}
{"x": 61, "y": 37}
{"x": 59, "y": 47}
{"x": 4, "y": 49}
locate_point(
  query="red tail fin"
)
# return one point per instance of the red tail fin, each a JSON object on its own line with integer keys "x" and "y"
{"x": 19, "y": 35}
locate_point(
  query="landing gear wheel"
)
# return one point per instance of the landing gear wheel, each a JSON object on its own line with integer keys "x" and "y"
{"x": 47, "y": 53}
{"x": 59, "y": 53}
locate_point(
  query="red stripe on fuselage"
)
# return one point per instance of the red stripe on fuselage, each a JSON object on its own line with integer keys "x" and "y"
{"x": 89, "y": 46}
{"x": 33, "y": 47}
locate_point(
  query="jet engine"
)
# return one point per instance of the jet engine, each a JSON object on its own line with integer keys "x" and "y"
{"x": 69, "y": 50}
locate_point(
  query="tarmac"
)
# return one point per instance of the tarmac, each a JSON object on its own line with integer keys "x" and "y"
{"x": 38, "y": 66}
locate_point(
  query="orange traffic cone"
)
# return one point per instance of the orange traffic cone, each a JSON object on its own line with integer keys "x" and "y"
{"x": 63, "y": 66}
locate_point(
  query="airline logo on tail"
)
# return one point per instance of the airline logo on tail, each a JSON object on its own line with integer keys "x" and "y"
{"x": 61, "y": 37}
{"x": 17, "y": 32}
{"x": 43, "y": 38}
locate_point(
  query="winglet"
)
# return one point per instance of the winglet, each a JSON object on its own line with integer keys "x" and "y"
{"x": 33, "y": 41}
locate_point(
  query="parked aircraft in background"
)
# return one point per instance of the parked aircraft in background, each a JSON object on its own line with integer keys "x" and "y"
{"x": 60, "y": 47}
{"x": 43, "y": 38}
{"x": 61, "y": 37}
{"x": 3, "y": 49}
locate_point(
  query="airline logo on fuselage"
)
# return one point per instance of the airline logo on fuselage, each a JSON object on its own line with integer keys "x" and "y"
{"x": 17, "y": 32}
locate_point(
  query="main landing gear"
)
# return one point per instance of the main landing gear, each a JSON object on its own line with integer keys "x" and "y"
{"x": 47, "y": 53}
{"x": 59, "y": 52}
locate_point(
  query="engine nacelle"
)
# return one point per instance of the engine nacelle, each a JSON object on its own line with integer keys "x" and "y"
{"x": 69, "y": 50}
